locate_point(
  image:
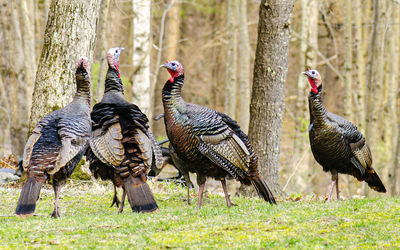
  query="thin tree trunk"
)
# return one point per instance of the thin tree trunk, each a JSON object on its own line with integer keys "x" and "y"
{"x": 231, "y": 56}
{"x": 16, "y": 77}
{"x": 244, "y": 69}
{"x": 267, "y": 103}
{"x": 374, "y": 71}
{"x": 25, "y": 10}
{"x": 348, "y": 59}
{"x": 308, "y": 57}
{"x": 360, "y": 40}
{"x": 170, "y": 53}
{"x": 391, "y": 128}
{"x": 141, "y": 87}
{"x": 101, "y": 49}
{"x": 70, "y": 34}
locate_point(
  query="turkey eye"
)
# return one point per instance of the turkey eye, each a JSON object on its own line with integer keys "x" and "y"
{"x": 313, "y": 72}
{"x": 173, "y": 64}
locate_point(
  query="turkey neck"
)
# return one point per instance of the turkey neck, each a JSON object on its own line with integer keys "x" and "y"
{"x": 172, "y": 93}
{"x": 82, "y": 86}
{"x": 317, "y": 109}
{"x": 113, "y": 81}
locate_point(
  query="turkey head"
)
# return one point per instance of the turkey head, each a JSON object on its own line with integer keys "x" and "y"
{"x": 314, "y": 78}
{"x": 174, "y": 68}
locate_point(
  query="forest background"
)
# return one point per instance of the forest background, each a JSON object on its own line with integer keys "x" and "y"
{"x": 355, "y": 45}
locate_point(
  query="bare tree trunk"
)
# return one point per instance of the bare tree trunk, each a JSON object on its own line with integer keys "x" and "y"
{"x": 142, "y": 89}
{"x": 170, "y": 53}
{"x": 101, "y": 49}
{"x": 25, "y": 10}
{"x": 244, "y": 69}
{"x": 391, "y": 118}
{"x": 16, "y": 77}
{"x": 231, "y": 55}
{"x": 361, "y": 43}
{"x": 374, "y": 71}
{"x": 308, "y": 57}
{"x": 70, "y": 34}
{"x": 348, "y": 59}
{"x": 267, "y": 103}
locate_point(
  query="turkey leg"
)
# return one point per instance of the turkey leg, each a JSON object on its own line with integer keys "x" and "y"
{"x": 121, "y": 208}
{"x": 227, "y": 197}
{"x": 334, "y": 181}
{"x": 201, "y": 189}
{"x": 56, "y": 211}
{"x": 187, "y": 180}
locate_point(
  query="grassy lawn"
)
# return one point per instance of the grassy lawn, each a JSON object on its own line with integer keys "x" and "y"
{"x": 88, "y": 222}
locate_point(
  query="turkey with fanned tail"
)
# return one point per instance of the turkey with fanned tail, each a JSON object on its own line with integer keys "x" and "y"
{"x": 122, "y": 146}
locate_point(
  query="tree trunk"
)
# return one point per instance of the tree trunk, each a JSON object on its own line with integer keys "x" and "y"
{"x": 25, "y": 10}
{"x": 308, "y": 58}
{"x": 360, "y": 40}
{"x": 348, "y": 58}
{"x": 16, "y": 75}
{"x": 374, "y": 72}
{"x": 170, "y": 53}
{"x": 267, "y": 103}
{"x": 70, "y": 34}
{"x": 391, "y": 118}
{"x": 244, "y": 69}
{"x": 101, "y": 49}
{"x": 141, "y": 87}
{"x": 231, "y": 55}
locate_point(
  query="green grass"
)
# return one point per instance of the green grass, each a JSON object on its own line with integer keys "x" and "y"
{"x": 88, "y": 222}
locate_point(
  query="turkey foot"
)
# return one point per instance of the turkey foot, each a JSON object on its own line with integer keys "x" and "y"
{"x": 121, "y": 208}
{"x": 227, "y": 196}
{"x": 56, "y": 211}
{"x": 115, "y": 201}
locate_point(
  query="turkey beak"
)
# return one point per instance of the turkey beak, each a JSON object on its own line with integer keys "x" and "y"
{"x": 165, "y": 65}
{"x": 306, "y": 73}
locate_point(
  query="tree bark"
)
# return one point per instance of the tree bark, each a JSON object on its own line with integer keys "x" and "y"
{"x": 231, "y": 55}
{"x": 267, "y": 103}
{"x": 244, "y": 69}
{"x": 70, "y": 34}
{"x": 141, "y": 87}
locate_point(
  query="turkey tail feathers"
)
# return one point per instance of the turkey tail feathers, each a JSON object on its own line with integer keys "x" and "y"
{"x": 263, "y": 190}
{"x": 374, "y": 182}
{"x": 28, "y": 197}
{"x": 139, "y": 195}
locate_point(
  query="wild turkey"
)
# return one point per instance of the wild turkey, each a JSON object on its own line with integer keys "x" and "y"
{"x": 207, "y": 142}
{"x": 56, "y": 145}
{"x": 336, "y": 143}
{"x": 122, "y": 147}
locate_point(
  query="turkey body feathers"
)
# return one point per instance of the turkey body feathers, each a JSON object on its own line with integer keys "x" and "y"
{"x": 338, "y": 146}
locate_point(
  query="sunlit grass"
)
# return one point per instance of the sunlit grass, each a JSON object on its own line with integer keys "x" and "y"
{"x": 88, "y": 222}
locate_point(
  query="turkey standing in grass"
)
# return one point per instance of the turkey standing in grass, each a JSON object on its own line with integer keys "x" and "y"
{"x": 56, "y": 145}
{"x": 122, "y": 147}
{"x": 207, "y": 142}
{"x": 336, "y": 143}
